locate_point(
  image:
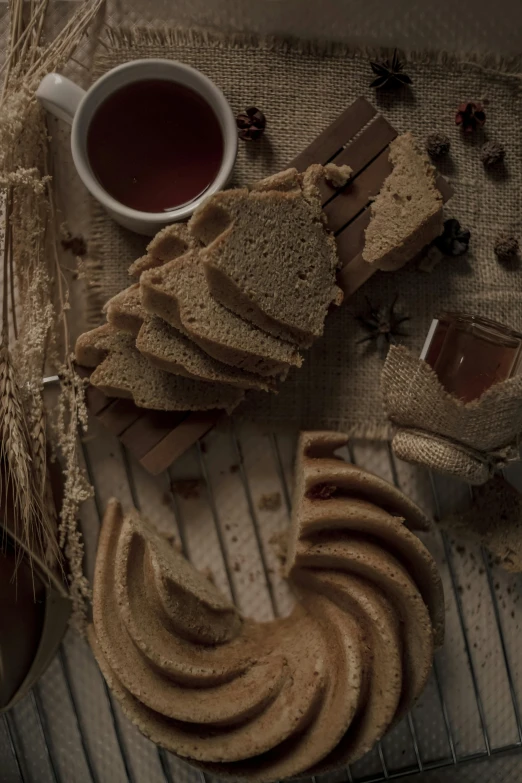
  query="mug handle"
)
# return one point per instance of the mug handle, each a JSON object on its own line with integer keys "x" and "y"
{"x": 60, "y": 96}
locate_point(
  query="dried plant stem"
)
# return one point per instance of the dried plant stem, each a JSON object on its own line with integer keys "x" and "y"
{"x": 34, "y": 330}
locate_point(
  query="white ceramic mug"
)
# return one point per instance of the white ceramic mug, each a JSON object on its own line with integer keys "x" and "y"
{"x": 69, "y": 102}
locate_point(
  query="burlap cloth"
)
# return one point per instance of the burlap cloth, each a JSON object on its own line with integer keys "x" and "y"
{"x": 435, "y": 429}
{"x": 301, "y": 87}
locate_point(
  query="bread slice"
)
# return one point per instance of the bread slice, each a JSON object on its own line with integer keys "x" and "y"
{"x": 121, "y": 371}
{"x": 125, "y": 311}
{"x": 171, "y": 242}
{"x": 407, "y": 213}
{"x": 178, "y": 293}
{"x": 165, "y": 347}
{"x": 275, "y": 263}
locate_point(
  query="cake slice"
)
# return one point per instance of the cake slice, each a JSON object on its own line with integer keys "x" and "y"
{"x": 125, "y": 311}
{"x": 121, "y": 371}
{"x": 407, "y": 213}
{"x": 178, "y": 293}
{"x": 165, "y": 347}
{"x": 171, "y": 242}
{"x": 274, "y": 264}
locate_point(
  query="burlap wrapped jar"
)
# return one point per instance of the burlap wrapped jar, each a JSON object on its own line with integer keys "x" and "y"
{"x": 436, "y": 429}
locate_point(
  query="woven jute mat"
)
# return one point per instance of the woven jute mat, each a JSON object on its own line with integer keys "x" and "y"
{"x": 301, "y": 87}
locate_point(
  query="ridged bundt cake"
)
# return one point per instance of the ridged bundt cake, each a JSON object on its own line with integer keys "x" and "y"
{"x": 303, "y": 694}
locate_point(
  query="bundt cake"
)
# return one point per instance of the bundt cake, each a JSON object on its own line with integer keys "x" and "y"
{"x": 299, "y": 695}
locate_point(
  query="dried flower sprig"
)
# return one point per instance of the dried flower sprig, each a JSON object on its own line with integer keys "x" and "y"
{"x": 34, "y": 331}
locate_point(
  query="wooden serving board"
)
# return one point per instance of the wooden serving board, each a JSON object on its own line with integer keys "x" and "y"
{"x": 360, "y": 138}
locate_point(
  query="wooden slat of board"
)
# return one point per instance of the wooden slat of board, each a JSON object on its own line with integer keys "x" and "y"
{"x": 336, "y": 135}
{"x": 96, "y": 400}
{"x": 146, "y": 432}
{"x": 350, "y": 241}
{"x": 360, "y": 152}
{"x": 356, "y": 195}
{"x": 119, "y": 415}
{"x": 352, "y": 276}
{"x": 176, "y": 442}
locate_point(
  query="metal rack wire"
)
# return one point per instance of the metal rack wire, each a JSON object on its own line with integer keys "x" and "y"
{"x": 39, "y": 744}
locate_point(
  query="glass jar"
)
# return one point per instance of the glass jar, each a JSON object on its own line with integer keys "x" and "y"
{"x": 470, "y": 353}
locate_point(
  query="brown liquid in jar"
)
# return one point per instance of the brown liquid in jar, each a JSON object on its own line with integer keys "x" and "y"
{"x": 470, "y": 354}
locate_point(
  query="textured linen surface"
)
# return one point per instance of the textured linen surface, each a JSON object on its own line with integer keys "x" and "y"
{"x": 302, "y": 87}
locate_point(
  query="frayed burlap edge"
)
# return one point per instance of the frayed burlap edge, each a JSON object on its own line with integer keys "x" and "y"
{"x": 163, "y": 35}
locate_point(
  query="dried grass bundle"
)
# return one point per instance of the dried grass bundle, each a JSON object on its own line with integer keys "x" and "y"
{"x": 34, "y": 334}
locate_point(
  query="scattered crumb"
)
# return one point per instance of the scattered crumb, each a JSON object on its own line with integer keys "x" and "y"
{"x": 270, "y": 502}
{"x": 460, "y": 549}
{"x": 172, "y": 539}
{"x": 209, "y": 574}
{"x": 237, "y": 567}
{"x": 512, "y": 614}
{"x": 234, "y": 468}
{"x": 227, "y": 526}
{"x": 279, "y": 542}
{"x": 234, "y": 539}
{"x": 251, "y": 577}
{"x": 338, "y": 176}
{"x": 188, "y": 489}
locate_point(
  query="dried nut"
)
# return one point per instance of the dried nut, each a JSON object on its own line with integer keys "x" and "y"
{"x": 251, "y": 124}
{"x": 437, "y": 145}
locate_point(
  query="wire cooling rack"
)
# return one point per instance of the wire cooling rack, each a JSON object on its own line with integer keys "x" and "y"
{"x": 228, "y": 503}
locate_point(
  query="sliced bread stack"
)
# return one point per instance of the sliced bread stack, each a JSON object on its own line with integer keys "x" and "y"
{"x": 223, "y": 304}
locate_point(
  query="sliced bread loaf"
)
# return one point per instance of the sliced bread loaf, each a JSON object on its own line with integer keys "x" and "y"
{"x": 407, "y": 213}
{"x": 125, "y": 311}
{"x": 275, "y": 263}
{"x": 178, "y": 293}
{"x": 121, "y": 371}
{"x": 165, "y": 347}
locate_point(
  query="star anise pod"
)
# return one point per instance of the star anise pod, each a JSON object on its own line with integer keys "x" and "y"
{"x": 251, "y": 124}
{"x": 454, "y": 240}
{"x": 389, "y": 74}
{"x": 470, "y": 116}
{"x": 382, "y": 323}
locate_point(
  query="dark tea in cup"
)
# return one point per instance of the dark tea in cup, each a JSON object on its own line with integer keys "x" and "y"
{"x": 155, "y": 145}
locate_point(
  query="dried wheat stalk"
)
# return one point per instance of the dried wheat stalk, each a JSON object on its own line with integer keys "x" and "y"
{"x": 34, "y": 332}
